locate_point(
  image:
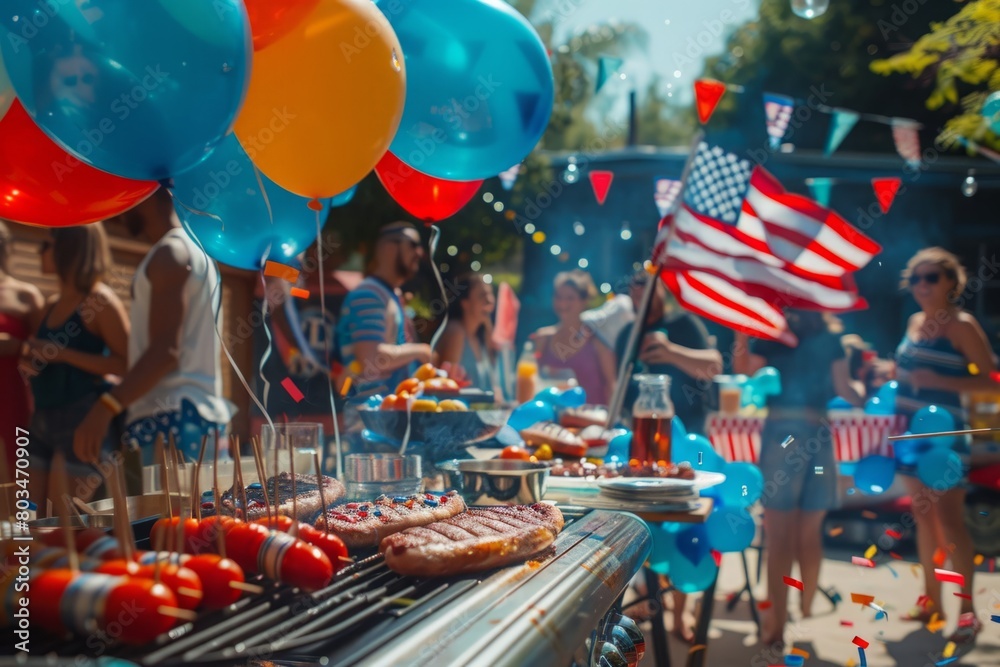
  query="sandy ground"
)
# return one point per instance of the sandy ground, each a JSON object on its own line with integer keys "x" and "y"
{"x": 732, "y": 638}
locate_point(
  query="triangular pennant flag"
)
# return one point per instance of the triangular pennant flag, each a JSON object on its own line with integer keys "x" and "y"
{"x": 778, "y": 109}
{"x": 509, "y": 176}
{"x": 606, "y": 67}
{"x": 820, "y": 189}
{"x": 885, "y": 191}
{"x": 707, "y": 93}
{"x": 601, "y": 182}
{"x": 907, "y": 140}
{"x": 664, "y": 193}
{"x": 841, "y": 125}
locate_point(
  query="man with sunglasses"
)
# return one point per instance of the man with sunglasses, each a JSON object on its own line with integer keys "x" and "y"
{"x": 371, "y": 331}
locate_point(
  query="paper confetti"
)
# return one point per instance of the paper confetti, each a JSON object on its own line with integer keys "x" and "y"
{"x": 794, "y": 660}
{"x": 347, "y": 386}
{"x": 894, "y": 575}
{"x": 978, "y": 560}
{"x": 835, "y": 531}
{"x": 802, "y": 652}
{"x": 973, "y": 369}
{"x": 946, "y": 661}
{"x": 292, "y": 390}
{"x": 872, "y": 550}
{"x": 860, "y": 642}
{"x": 283, "y": 271}
{"x": 850, "y": 663}
{"x": 861, "y": 656}
{"x": 794, "y": 583}
{"x": 895, "y": 555}
{"x": 881, "y": 611}
{"x": 936, "y": 626}
{"x": 995, "y": 618}
{"x": 863, "y": 600}
{"x": 847, "y": 624}
{"x": 300, "y": 293}
{"x": 915, "y": 569}
{"x": 964, "y": 596}
{"x": 949, "y": 577}
{"x": 894, "y": 534}
{"x": 949, "y": 650}
{"x": 868, "y": 514}
{"x": 939, "y": 556}
{"x": 864, "y": 562}
{"x": 764, "y": 604}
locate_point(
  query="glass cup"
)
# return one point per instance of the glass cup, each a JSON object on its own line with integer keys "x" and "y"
{"x": 730, "y": 393}
{"x": 305, "y": 439}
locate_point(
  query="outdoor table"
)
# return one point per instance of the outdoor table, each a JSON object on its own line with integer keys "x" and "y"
{"x": 696, "y": 658}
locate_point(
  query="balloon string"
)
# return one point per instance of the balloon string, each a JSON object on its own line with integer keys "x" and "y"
{"x": 177, "y": 201}
{"x": 320, "y": 251}
{"x": 432, "y": 246}
{"x": 263, "y": 193}
{"x": 267, "y": 332}
{"x": 216, "y": 294}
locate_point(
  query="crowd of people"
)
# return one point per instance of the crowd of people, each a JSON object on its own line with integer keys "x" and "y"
{"x": 101, "y": 374}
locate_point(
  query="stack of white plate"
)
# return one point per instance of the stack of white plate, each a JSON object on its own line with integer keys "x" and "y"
{"x": 650, "y": 493}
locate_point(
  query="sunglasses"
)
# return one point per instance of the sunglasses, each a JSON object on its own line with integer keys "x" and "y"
{"x": 932, "y": 278}
{"x": 407, "y": 239}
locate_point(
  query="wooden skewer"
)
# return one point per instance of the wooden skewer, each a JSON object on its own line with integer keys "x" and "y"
{"x": 220, "y": 543}
{"x": 196, "y": 480}
{"x": 61, "y": 484}
{"x": 258, "y": 460}
{"x": 319, "y": 482}
{"x": 277, "y": 472}
{"x": 236, "y": 481}
{"x": 180, "y": 509}
{"x": 122, "y": 524}
{"x": 920, "y": 436}
{"x": 243, "y": 488}
{"x": 294, "y": 532}
{"x": 158, "y": 455}
{"x": 165, "y": 462}
{"x": 174, "y": 612}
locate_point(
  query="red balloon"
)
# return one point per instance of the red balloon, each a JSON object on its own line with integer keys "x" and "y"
{"x": 41, "y": 184}
{"x": 428, "y": 198}
{"x": 270, "y": 20}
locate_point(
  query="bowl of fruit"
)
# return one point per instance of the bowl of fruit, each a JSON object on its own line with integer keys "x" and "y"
{"x": 436, "y": 411}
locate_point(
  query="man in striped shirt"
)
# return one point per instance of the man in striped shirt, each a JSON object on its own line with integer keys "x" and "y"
{"x": 371, "y": 331}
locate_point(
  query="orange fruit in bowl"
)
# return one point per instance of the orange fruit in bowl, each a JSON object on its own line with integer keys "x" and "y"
{"x": 515, "y": 453}
{"x": 409, "y": 385}
{"x": 424, "y": 405}
{"x": 452, "y": 405}
{"x": 426, "y": 372}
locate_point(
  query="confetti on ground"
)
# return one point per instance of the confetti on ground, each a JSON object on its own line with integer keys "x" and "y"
{"x": 793, "y": 660}
{"x": 949, "y": 577}
{"x": 868, "y": 514}
{"x": 292, "y": 390}
{"x": 949, "y": 650}
{"x": 894, "y": 534}
{"x": 863, "y": 600}
{"x": 939, "y": 556}
{"x": 995, "y": 618}
{"x": 802, "y": 652}
{"x": 946, "y": 661}
{"x": 794, "y": 583}
{"x": 835, "y": 531}
{"x": 973, "y": 369}
{"x": 818, "y": 470}
{"x": 935, "y": 626}
{"x": 964, "y": 596}
{"x": 894, "y": 574}
{"x": 847, "y": 624}
{"x": 764, "y": 604}
{"x": 347, "y": 386}
{"x": 860, "y": 642}
{"x": 882, "y": 613}
{"x": 978, "y": 560}
{"x": 871, "y": 551}
{"x": 895, "y": 555}
{"x": 863, "y": 662}
{"x": 300, "y": 293}
{"x": 915, "y": 569}
{"x": 283, "y": 271}
{"x": 864, "y": 562}
{"x": 850, "y": 663}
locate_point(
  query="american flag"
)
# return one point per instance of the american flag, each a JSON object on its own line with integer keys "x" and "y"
{"x": 741, "y": 248}
{"x": 907, "y": 139}
{"x": 778, "y": 110}
{"x": 664, "y": 193}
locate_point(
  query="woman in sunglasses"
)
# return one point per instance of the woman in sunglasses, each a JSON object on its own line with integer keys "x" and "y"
{"x": 943, "y": 354}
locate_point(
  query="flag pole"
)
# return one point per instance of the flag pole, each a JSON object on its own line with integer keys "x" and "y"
{"x": 625, "y": 369}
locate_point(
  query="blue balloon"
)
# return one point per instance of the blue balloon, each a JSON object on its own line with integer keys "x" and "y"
{"x": 887, "y": 394}
{"x": 620, "y": 446}
{"x": 940, "y": 468}
{"x": 374, "y": 402}
{"x": 549, "y": 395}
{"x": 221, "y": 205}
{"x": 690, "y": 577}
{"x": 693, "y": 543}
{"x": 838, "y": 403}
{"x": 529, "y": 414}
{"x": 907, "y": 452}
{"x": 573, "y": 397}
{"x": 344, "y": 197}
{"x": 933, "y": 419}
{"x": 696, "y": 450}
{"x": 677, "y": 429}
{"x": 143, "y": 90}
{"x": 877, "y": 406}
{"x": 767, "y": 381}
{"x": 479, "y": 87}
{"x": 743, "y": 486}
{"x": 664, "y": 547}
{"x": 874, "y": 474}
{"x": 730, "y": 529}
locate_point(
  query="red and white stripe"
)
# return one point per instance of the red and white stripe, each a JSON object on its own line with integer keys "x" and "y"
{"x": 736, "y": 438}
{"x": 907, "y": 139}
{"x": 858, "y": 436}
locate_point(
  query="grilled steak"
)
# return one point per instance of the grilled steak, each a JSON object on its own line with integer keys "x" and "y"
{"x": 561, "y": 440}
{"x": 308, "y": 500}
{"x": 480, "y": 539}
{"x": 363, "y": 525}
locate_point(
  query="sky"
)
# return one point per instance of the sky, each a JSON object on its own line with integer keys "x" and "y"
{"x": 682, "y": 33}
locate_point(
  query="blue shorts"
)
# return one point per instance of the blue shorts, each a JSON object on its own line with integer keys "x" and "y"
{"x": 187, "y": 426}
{"x": 52, "y": 430}
{"x": 803, "y": 475}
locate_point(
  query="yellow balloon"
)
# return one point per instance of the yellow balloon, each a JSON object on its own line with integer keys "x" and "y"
{"x": 325, "y": 100}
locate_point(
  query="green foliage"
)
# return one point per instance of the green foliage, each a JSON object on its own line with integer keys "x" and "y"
{"x": 961, "y": 58}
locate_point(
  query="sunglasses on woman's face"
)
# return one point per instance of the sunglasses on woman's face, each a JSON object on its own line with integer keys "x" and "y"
{"x": 932, "y": 278}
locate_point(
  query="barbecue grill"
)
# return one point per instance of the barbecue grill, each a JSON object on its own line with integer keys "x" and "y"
{"x": 558, "y": 609}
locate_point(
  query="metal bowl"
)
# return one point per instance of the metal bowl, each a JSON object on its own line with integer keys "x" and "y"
{"x": 498, "y": 481}
{"x": 436, "y": 428}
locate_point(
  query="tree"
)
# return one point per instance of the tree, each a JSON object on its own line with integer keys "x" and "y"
{"x": 662, "y": 123}
{"x": 822, "y": 61}
{"x": 961, "y": 59}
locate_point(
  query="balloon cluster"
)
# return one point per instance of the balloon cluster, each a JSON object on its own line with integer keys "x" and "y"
{"x": 544, "y": 406}
{"x": 261, "y": 113}
{"x": 755, "y": 390}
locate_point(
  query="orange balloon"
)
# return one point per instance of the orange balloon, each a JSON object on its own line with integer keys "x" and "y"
{"x": 325, "y": 100}
{"x": 272, "y": 19}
